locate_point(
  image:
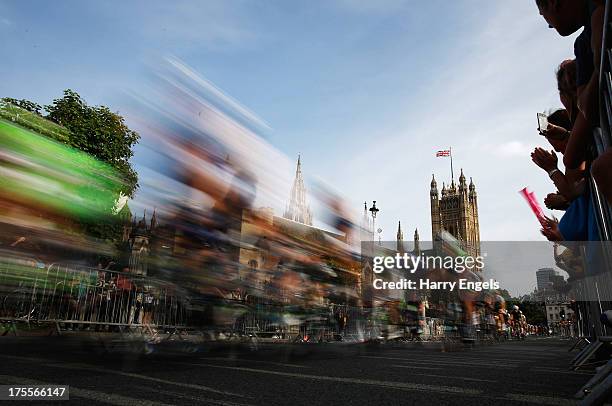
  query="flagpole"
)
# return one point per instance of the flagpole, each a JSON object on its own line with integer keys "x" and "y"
{"x": 450, "y": 149}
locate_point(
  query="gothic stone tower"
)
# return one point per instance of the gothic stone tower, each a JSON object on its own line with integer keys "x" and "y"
{"x": 298, "y": 210}
{"x": 456, "y": 211}
{"x": 400, "y": 237}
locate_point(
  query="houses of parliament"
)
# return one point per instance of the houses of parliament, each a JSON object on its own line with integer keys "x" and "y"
{"x": 454, "y": 217}
{"x": 455, "y": 210}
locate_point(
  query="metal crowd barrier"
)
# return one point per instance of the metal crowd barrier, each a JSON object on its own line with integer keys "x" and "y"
{"x": 593, "y": 293}
{"x": 85, "y": 298}
{"x": 80, "y": 298}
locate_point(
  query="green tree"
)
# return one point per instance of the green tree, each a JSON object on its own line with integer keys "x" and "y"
{"x": 505, "y": 294}
{"x": 535, "y": 312}
{"x": 24, "y": 104}
{"x": 99, "y": 132}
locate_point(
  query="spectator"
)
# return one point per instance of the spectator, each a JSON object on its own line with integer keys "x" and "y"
{"x": 557, "y": 132}
{"x": 567, "y": 17}
{"x": 566, "y": 84}
{"x": 570, "y": 186}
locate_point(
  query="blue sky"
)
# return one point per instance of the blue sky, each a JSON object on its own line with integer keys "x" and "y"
{"x": 365, "y": 91}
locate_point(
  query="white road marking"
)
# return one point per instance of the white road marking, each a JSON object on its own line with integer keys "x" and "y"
{"x": 102, "y": 397}
{"x": 87, "y": 367}
{"x": 415, "y": 367}
{"x": 482, "y": 356}
{"x": 280, "y": 364}
{"x": 457, "y": 363}
{"x": 542, "y": 400}
{"x": 463, "y": 378}
{"x": 562, "y": 371}
{"x": 385, "y": 384}
{"x": 146, "y": 378}
{"x": 196, "y": 400}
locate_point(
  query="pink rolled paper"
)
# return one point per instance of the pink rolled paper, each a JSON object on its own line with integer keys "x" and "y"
{"x": 534, "y": 205}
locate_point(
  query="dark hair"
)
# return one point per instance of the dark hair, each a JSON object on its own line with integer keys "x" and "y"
{"x": 566, "y": 76}
{"x": 560, "y": 118}
{"x": 542, "y": 3}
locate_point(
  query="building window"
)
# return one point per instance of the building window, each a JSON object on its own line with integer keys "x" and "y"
{"x": 253, "y": 264}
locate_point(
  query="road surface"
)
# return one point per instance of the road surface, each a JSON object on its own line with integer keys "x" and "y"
{"x": 534, "y": 371}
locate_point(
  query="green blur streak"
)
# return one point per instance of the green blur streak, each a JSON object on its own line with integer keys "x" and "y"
{"x": 53, "y": 175}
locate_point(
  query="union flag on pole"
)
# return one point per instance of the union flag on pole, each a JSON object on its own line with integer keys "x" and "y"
{"x": 444, "y": 152}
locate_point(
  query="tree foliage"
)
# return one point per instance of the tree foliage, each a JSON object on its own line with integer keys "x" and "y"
{"x": 99, "y": 132}
{"x": 24, "y": 104}
{"x": 535, "y": 312}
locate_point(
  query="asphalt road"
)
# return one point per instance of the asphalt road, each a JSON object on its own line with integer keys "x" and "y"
{"x": 529, "y": 372}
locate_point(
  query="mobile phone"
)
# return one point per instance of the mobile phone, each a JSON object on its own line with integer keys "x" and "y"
{"x": 542, "y": 122}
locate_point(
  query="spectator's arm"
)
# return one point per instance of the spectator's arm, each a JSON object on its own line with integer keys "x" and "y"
{"x": 576, "y": 150}
{"x": 570, "y": 185}
{"x": 597, "y": 26}
{"x": 588, "y": 101}
{"x": 566, "y": 183}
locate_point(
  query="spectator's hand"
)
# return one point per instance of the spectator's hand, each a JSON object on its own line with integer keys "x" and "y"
{"x": 544, "y": 159}
{"x": 550, "y": 229}
{"x": 556, "y": 201}
{"x": 555, "y": 132}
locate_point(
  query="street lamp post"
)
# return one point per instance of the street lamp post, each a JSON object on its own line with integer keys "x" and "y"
{"x": 374, "y": 211}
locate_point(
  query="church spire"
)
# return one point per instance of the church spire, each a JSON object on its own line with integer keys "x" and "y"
{"x": 298, "y": 169}
{"x": 154, "y": 220}
{"x": 400, "y": 237}
{"x": 298, "y": 210}
{"x": 462, "y": 184}
{"x": 417, "y": 245}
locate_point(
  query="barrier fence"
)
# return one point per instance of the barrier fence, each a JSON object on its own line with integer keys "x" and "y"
{"x": 84, "y": 297}
{"x": 81, "y": 298}
{"x": 590, "y": 310}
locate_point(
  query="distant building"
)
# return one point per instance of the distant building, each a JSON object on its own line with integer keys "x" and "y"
{"x": 545, "y": 278}
{"x": 143, "y": 240}
{"x": 455, "y": 210}
{"x": 561, "y": 319}
{"x": 558, "y": 312}
{"x": 298, "y": 210}
{"x": 137, "y": 238}
{"x": 400, "y": 237}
